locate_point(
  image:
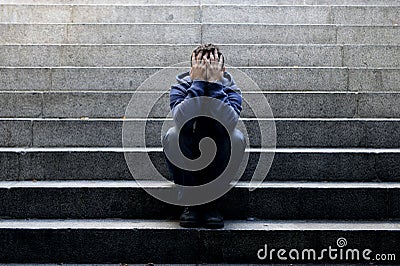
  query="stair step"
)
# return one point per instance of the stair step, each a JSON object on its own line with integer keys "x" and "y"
{"x": 257, "y": 54}
{"x": 286, "y": 2}
{"x": 155, "y": 241}
{"x": 272, "y": 200}
{"x": 196, "y": 33}
{"x": 208, "y": 2}
{"x": 317, "y": 133}
{"x": 98, "y": 13}
{"x": 290, "y": 164}
{"x": 121, "y": 55}
{"x": 99, "y": 33}
{"x": 283, "y": 104}
{"x": 362, "y": 15}
{"x": 267, "y": 78}
{"x": 105, "y": 2}
{"x": 299, "y": 34}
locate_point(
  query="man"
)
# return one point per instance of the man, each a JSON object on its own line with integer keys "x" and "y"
{"x": 207, "y": 77}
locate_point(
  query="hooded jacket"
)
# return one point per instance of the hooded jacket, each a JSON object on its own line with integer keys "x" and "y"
{"x": 226, "y": 91}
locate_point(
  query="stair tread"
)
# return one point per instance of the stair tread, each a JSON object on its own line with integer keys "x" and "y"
{"x": 159, "y": 149}
{"x": 160, "y": 184}
{"x": 265, "y": 225}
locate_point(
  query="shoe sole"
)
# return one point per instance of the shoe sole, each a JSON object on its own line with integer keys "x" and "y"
{"x": 190, "y": 224}
{"x": 213, "y": 225}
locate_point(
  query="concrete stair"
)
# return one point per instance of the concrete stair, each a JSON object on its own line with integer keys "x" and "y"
{"x": 125, "y": 199}
{"x": 87, "y": 240}
{"x": 329, "y": 69}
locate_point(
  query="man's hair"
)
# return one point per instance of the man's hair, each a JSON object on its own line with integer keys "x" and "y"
{"x": 207, "y": 48}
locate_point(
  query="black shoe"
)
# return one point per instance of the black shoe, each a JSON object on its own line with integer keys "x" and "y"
{"x": 190, "y": 217}
{"x": 213, "y": 219}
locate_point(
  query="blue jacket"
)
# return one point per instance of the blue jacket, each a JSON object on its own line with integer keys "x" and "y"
{"x": 226, "y": 92}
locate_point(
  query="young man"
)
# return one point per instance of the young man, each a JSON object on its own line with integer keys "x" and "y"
{"x": 207, "y": 77}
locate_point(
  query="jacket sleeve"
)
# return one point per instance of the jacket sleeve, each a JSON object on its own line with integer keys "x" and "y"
{"x": 182, "y": 109}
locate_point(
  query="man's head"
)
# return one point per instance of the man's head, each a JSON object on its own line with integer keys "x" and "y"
{"x": 207, "y": 49}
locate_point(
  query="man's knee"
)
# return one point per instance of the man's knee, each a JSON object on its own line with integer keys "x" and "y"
{"x": 238, "y": 139}
{"x": 171, "y": 134}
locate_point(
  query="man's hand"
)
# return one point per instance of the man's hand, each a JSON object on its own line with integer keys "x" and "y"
{"x": 214, "y": 67}
{"x": 198, "y": 70}
{"x": 210, "y": 70}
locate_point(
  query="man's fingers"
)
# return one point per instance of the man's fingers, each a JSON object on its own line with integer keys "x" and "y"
{"x": 211, "y": 57}
{"x": 220, "y": 62}
{"x": 199, "y": 57}
{"x": 216, "y": 55}
{"x": 193, "y": 59}
{"x": 206, "y": 60}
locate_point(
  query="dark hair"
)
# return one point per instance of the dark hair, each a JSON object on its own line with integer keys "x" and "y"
{"x": 207, "y": 48}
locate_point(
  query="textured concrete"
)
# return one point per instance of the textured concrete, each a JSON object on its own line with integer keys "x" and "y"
{"x": 126, "y": 55}
{"x": 104, "y": 33}
{"x": 307, "y": 165}
{"x": 57, "y": 200}
{"x": 159, "y": 55}
{"x": 144, "y": 241}
{"x": 77, "y": 133}
{"x": 351, "y": 2}
{"x": 252, "y": 34}
{"x": 293, "y": 2}
{"x": 15, "y": 79}
{"x": 290, "y": 133}
{"x": 99, "y": 79}
{"x": 193, "y": 33}
{"x": 374, "y": 79}
{"x": 34, "y": 14}
{"x": 229, "y": 243}
{"x": 98, "y": 14}
{"x": 71, "y": 166}
{"x": 317, "y": 203}
{"x": 266, "y": 14}
{"x": 36, "y": 55}
{"x": 146, "y": 33}
{"x": 196, "y": 2}
{"x": 31, "y": 33}
{"x": 85, "y": 104}
{"x": 106, "y": 2}
{"x": 336, "y": 134}
{"x": 15, "y": 133}
{"x": 369, "y": 35}
{"x": 379, "y": 105}
{"x": 311, "y": 105}
{"x": 298, "y": 79}
{"x": 9, "y": 166}
{"x": 394, "y": 206}
{"x": 283, "y": 105}
{"x": 20, "y": 104}
{"x": 267, "y": 78}
{"x": 150, "y": 14}
{"x": 378, "y": 15}
{"x": 371, "y": 56}
{"x": 362, "y": 15}
{"x": 130, "y": 78}
{"x": 68, "y": 105}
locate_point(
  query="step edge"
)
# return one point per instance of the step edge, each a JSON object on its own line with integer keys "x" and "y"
{"x": 235, "y": 225}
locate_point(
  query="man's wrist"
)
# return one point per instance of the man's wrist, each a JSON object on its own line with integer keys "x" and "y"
{"x": 218, "y": 81}
{"x": 198, "y": 79}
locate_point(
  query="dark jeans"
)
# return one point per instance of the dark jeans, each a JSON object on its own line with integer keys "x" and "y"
{"x": 189, "y": 143}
